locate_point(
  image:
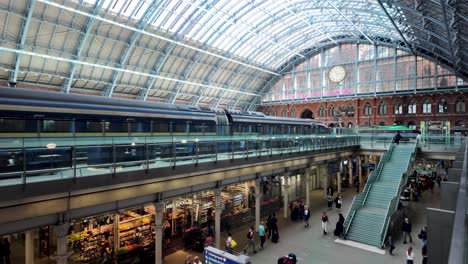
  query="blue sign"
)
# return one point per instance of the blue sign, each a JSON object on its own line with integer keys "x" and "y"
{"x": 216, "y": 256}
{"x": 371, "y": 166}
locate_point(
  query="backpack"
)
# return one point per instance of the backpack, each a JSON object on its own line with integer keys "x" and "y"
{"x": 249, "y": 235}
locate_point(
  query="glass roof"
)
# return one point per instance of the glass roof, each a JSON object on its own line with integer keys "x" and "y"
{"x": 266, "y": 33}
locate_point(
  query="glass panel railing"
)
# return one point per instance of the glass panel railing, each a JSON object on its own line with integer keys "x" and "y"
{"x": 24, "y": 160}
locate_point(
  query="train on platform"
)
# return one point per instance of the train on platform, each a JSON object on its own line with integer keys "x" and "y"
{"x": 33, "y": 113}
{"x": 39, "y": 114}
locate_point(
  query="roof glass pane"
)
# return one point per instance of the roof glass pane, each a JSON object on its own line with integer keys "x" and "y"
{"x": 280, "y": 28}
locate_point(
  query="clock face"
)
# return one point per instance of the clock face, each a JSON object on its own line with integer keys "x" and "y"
{"x": 337, "y": 74}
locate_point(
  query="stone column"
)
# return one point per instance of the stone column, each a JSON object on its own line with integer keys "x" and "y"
{"x": 258, "y": 203}
{"x": 29, "y": 247}
{"x": 359, "y": 169}
{"x": 194, "y": 209}
{"x": 286, "y": 196}
{"x": 367, "y": 160}
{"x": 116, "y": 231}
{"x": 350, "y": 171}
{"x": 338, "y": 175}
{"x": 218, "y": 210}
{"x": 158, "y": 228}
{"x": 62, "y": 254}
{"x": 307, "y": 183}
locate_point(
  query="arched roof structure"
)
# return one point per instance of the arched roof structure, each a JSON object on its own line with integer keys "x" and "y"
{"x": 220, "y": 53}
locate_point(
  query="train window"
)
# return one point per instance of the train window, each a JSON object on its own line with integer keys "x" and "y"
{"x": 180, "y": 127}
{"x": 161, "y": 128}
{"x": 118, "y": 127}
{"x": 13, "y": 125}
{"x": 53, "y": 126}
{"x": 106, "y": 126}
{"x": 93, "y": 126}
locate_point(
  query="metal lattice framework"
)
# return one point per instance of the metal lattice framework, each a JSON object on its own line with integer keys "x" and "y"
{"x": 220, "y": 53}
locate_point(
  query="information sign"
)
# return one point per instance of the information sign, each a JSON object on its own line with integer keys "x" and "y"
{"x": 216, "y": 256}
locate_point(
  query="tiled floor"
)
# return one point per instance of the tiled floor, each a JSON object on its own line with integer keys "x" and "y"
{"x": 311, "y": 246}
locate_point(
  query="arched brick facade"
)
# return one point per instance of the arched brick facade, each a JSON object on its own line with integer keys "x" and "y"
{"x": 375, "y": 118}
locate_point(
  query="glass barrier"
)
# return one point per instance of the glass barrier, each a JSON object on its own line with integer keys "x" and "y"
{"x": 24, "y": 160}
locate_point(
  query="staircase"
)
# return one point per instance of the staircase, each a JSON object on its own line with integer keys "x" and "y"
{"x": 368, "y": 217}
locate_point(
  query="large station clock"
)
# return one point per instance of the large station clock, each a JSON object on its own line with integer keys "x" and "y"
{"x": 337, "y": 74}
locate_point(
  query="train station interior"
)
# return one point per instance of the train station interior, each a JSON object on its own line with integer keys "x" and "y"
{"x": 233, "y": 131}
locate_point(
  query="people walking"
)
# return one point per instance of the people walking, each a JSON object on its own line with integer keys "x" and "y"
{"x": 339, "y": 228}
{"x": 338, "y": 202}
{"x": 324, "y": 222}
{"x": 329, "y": 201}
{"x": 261, "y": 234}
{"x": 406, "y": 228}
{"x": 397, "y": 138}
{"x": 250, "y": 240}
{"x": 391, "y": 244}
{"x": 306, "y": 215}
{"x": 409, "y": 256}
{"x": 229, "y": 245}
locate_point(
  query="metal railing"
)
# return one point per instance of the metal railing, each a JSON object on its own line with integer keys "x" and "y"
{"x": 24, "y": 160}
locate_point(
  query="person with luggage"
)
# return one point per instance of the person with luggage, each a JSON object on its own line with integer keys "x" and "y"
{"x": 229, "y": 244}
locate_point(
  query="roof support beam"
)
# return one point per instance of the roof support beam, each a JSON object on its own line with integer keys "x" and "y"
{"x": 449, "y": 37}
{"x": 81, "y": 43}
{"x": 24, "y": 34}
{"x": 394, "y": 24}
{"x": 46, "y": 56}
{"x": 116, "y": 75}
{"x": 156, "y": 36}
{"x": 347, "y": 19}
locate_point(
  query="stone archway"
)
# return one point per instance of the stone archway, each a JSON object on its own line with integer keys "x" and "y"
{"x": 307, "y": 114}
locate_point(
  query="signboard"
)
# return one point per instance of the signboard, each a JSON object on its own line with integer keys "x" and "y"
{"x": 217, "y": 256}
{"x": 371, "y": 166}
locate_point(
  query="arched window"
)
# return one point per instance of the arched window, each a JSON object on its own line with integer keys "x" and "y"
{"x": 382, "y": 109}
{"x": 284, "y": 113}
{"x": 427, "y": 107}
{"x": 411, "y": 124}
{"x": 275, "y": 113}
{"x": 382, "y": 123}
{"x": 367, "y": 109}
{"x": 443, "y": 107}
{"x": 398, "y": 109}
{"x": 350, "y": 112}
{"x": 307, "y": 114}
{"x": 322, "y": 111}
{"x": 331, "y": 111}
{"x": 460, "y": 105}
{"x": 412, "y": 108}
{"x": 293, "y": 113}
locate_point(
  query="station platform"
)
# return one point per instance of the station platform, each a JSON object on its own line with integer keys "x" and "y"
{"x": 311, "y": 246}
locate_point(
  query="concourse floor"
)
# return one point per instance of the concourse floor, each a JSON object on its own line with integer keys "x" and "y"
{"x": 311, "y": 246}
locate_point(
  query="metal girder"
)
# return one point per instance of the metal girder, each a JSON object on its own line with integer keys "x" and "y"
{"x": 449, "y": 37}
{"x": 347, "y": 19}
{"x": 160, "y": 37}
{"x": 24, "y": 34}
{"x": 396, "y": 27}
{"x": 148, "y": 14}
{"x": 81, "y": 43}
{"x": 45, "y": 56}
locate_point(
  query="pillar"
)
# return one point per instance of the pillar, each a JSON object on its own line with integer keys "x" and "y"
{"x": 218, "y": 210}
{"x": 29, "y": 247}
{"x": 194, "y": 209}
{"x": 307, "y": 182}
{"x": 258, "y": 203}
{"x": 116, "y": 231}
{"x": 61, "y": 231}
{"x": 350, "y": 171}
{"x": 359, "y": 169}
{"x": 367, "y": 161}
{"x": 286, "y": 196}
{"x": 158, "y": 228}
{"x": 338, "y": 175}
